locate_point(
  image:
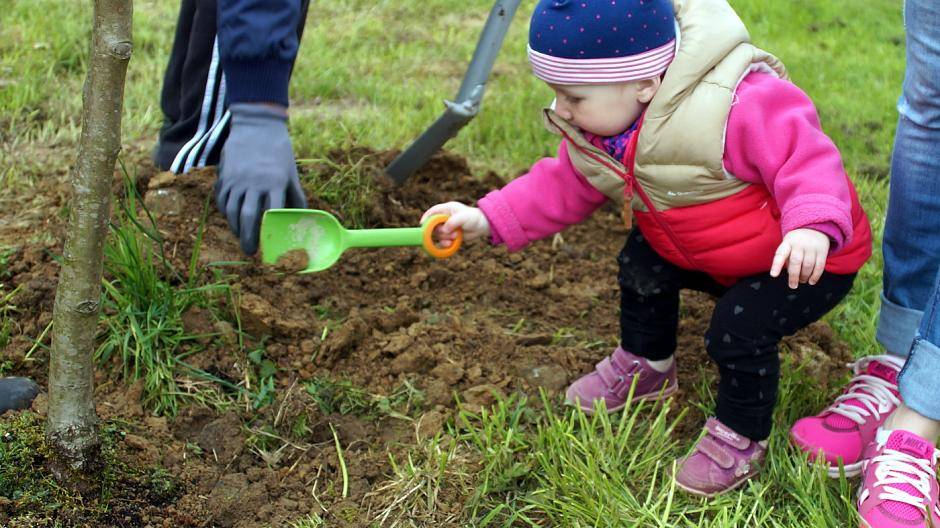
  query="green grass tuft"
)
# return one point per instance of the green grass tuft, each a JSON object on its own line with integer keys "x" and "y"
{"x": 144, "y": 303}
{"x": 340, "y": 396}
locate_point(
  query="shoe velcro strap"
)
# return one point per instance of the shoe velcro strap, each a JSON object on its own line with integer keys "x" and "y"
{"x": 622, "y": 363}
{"x": 721, "y": 432}
{"x": 716, "y": 451}
{"x": 608, "y": 372}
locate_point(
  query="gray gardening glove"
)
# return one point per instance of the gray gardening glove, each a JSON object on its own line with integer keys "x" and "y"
{"x": 256, "y": 170}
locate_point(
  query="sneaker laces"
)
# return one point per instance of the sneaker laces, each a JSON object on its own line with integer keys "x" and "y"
{"x": 873, "y": 393}
{"x": 899, "y": 468}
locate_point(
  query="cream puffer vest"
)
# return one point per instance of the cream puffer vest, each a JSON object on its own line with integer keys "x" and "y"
{"x": 680, "y": 150}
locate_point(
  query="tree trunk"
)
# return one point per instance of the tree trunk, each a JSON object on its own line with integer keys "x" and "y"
{"x": 72, "y": 425}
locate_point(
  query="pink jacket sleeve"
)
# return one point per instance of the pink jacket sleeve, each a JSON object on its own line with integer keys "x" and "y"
{"x": 540, "y": 203}
{"x": 774, "y": 138}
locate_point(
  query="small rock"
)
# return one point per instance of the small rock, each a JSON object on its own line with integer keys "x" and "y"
{"x": 418, "y": 361}
{"x": 226, "y": 332}
{"x": 255, "y": 474}
{"x": 17, "y": 393}
{"x": 157, "y": 424}
{"x": 222, "y": 438}
{"x": 41, "y": 404}
{"x": 540, "y": 281}
{"x": 482, "y": 395}
{"x": 345, "y": 338}
{"x": 163, "y": 179}
{"x": 137, "y": 442}
{"x": 308, "y": 347}
{"x": 417, "y": 278}
{"x": 474, "y": 373}
{"x": 552, "y": 378}
{"x": 260, "y": 317}
{"x": 402, "y": 316}
{"x": 397, "y": 343}
{"x": 438, "y": 392}
{"x": 451, "y": 373}
{"x": 430, "y": 424}
{"x": 164, "y": 202}
{"x": 256, "y": 314}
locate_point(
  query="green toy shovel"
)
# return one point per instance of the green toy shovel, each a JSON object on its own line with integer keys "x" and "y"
{"x": 320, "y": 235}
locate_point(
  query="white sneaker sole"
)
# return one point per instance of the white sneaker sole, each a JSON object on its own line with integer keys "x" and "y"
{"x": 851, "y": 470}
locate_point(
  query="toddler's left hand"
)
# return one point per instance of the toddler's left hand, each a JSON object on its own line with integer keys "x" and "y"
{"x": 806, "y": 250}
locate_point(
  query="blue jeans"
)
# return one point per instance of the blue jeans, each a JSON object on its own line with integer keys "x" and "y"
{"x": 909, "y": 322}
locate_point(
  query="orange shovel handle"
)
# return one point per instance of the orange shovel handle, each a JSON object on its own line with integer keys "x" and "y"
{"x": 428, "y": 239}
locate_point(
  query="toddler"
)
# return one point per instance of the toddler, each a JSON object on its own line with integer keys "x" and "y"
{"x": 730, "y": 187}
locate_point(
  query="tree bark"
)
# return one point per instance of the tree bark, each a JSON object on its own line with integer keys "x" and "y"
{"x": 72, "y": 425}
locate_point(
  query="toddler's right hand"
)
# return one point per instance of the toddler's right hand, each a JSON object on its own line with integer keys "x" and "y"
{"x": 470, "y": 219}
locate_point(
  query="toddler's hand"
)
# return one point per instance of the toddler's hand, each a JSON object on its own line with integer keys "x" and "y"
{"x": 470, "y": 219}
{"x": 806, "y": 250}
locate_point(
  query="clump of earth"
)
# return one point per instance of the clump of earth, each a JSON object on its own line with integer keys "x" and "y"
{"x": 293, "y": 261}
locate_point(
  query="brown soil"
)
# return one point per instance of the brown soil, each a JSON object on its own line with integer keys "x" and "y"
{"x": 292, "y": 261}
{"x": 482, "y": 323}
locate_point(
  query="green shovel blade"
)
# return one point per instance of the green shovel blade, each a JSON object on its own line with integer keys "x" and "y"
{"x": 320, "y": 235}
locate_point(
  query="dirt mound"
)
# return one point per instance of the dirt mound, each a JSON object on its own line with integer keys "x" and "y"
{"x": 482, "y": 323}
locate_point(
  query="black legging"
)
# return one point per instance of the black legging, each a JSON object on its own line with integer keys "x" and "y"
{"x": 750, "y": 318}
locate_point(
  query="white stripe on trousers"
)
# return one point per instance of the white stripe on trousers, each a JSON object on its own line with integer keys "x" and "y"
{"x": 209, "y": 134}
{"x": 214, "y": 138}
{"x": 215, "y": 91}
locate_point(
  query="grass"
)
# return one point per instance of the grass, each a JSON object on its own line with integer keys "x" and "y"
{"x": 364, "y": 77}
{"x": 334, "y": 396}
{"x": 145, "y": 301}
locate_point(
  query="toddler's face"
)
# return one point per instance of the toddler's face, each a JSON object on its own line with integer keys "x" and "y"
{"x": 603, "y": 109}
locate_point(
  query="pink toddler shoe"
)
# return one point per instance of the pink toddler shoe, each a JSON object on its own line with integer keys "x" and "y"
{"x": 899, "y": 483}
{"x": 843, "y": 430}
{"x": 612, "y": 379}
{"x": 722, "y": 460}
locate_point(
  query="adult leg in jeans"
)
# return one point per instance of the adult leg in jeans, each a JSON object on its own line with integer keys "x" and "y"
{"x": 912, "y": 227}
{"x": 911, "y": 255}
{"x": 899, "y": 485}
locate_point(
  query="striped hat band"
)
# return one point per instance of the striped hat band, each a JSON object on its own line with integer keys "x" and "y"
{"x": 560, "y": 70}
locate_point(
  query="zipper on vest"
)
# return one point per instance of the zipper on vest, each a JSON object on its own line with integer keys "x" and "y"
{"x": 630, "y": 180}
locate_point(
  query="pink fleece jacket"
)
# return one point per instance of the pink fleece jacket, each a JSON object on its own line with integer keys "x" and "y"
{"x": 773, "y": 138}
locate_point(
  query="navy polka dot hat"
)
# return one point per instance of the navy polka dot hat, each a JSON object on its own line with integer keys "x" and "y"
{"x": 601, "y": 41}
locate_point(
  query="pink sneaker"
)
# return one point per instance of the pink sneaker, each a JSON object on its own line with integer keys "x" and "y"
{"x": 722, "y": 460}
{"x": 899, "y": 484}
{"x": 842, "y": 431}
{"x": 612, "y": 379}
